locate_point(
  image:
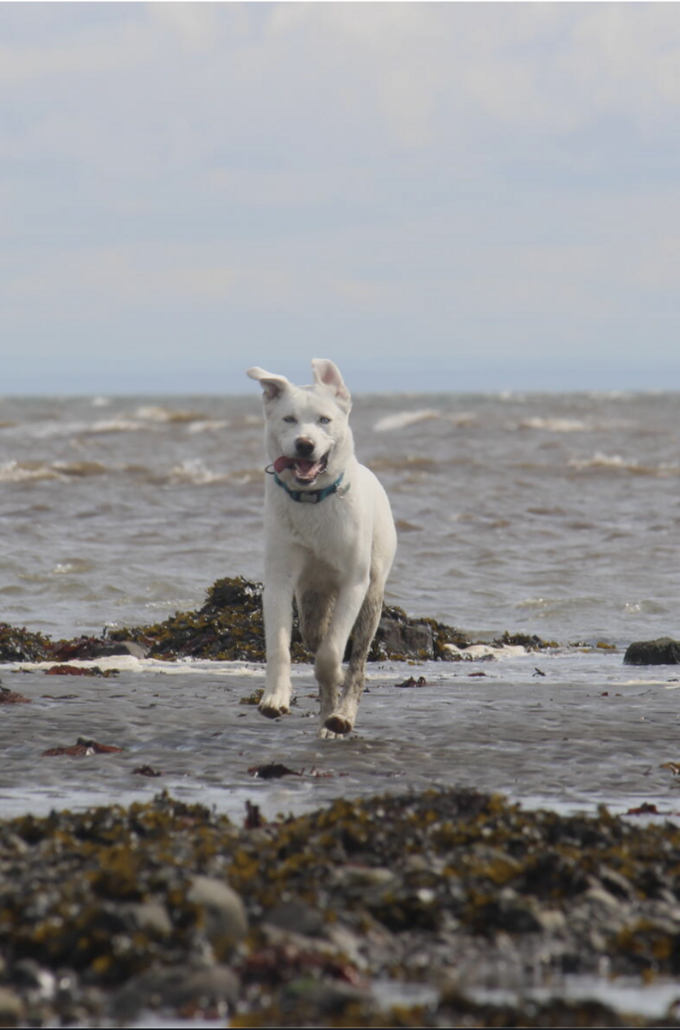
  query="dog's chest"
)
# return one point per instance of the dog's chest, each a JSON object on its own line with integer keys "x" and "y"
{"x": 328, "y": 529}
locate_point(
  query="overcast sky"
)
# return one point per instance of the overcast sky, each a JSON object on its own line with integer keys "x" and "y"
{"x": 437, "y": 196}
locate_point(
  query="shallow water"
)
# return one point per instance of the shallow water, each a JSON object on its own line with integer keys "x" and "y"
{"x": 584, "y": 733}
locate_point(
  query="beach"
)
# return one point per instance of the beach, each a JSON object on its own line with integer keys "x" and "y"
{"x": 553, "y": 516}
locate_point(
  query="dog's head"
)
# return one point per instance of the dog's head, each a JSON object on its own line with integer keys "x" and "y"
{"x": 307, "y": 435}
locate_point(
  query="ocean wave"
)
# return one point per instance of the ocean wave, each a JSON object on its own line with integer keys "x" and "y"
{"x": 196, "y": 472}
{"x": 547, "y": 607}
{"x": 208, "y": 425}
{"x": 158, "y": 413}
{"x": 51, "y": 429}
{"x": 556, "y": 425}
{"x": 23, "y": 471}
{"x": 402, "y": 419}
{"x": 113, "y": 425}
{"x": 80, "y": 469}
{"x": 73, "y": 567}
{"x": 617, "y": 463}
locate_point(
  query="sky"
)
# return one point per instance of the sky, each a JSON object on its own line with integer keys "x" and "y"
{"x": 437, "y": 196}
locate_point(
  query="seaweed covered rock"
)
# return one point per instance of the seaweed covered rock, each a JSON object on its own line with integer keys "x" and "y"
{"x": 401, "y": 637}
{"x": 664, "y": 651}
{"x": 169, "y": 905}
{"x": 18, "y": 645}
{"x": 230, "y": 627}
{"x": 529, "y": 641}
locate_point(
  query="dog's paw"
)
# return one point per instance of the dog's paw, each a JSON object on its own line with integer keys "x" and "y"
{"x": 325, "y": 734}
{"x": 336, "y": 726}
{"x": 272, "y": 711}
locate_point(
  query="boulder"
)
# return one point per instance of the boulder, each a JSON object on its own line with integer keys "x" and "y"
{"x": 664, "y": 651}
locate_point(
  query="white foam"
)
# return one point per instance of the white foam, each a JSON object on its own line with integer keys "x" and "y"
{"x": 609, "y": 461}
{"x": 129, "y": 663}
{"x": 193, "y": 470}
{"x": 207, "y": 426}
{"x": 403, "y": 419}
{"x": 158, "y": 413}
{"x": 21, "y": 471}
{"x": 486, "y": 650}
{"x": 556, "y": 425}
{"x": 618, "y": 462}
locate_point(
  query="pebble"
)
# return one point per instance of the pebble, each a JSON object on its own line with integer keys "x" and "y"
{"x": 226, "y": 921}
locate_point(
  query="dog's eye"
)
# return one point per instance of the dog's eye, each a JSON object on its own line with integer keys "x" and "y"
{"x": 290, "y": 418}
{"x": 324, "y": 420}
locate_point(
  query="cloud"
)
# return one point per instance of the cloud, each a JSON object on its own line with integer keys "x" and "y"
{"x": 494, "y": 173}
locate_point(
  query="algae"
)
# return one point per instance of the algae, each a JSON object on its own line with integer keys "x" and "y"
{"x": 408, "y": 888}
{"x": 230, "y": 627}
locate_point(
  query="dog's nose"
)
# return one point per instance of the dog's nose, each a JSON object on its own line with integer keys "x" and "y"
{"x": 304, "y": 446}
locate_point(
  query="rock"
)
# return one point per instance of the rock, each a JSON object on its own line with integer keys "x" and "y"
{"x": 226, "y": 922}
{"x": 88, "y": 648}
{"x": 357, "y": 875}
{"x": 175, "y": 987}
{"x": 123, "y": 647}
{"x": 151, "y": 917}
{"x": 664, "y": 651}
{"x": 327, "y": 997}
{"x": 405, "y": 638}
{"x": 18, "y": 645}
{"x": 297, "y": 917}
{"x": 11, "y": 1008}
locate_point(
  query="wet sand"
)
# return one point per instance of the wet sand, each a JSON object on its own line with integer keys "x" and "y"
{"x": 587, "y": 732}
{"x": 568, "y": 730}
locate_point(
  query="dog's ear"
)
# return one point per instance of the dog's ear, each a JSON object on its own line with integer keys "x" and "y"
{"x": 328, "y": 374}
{"x": 272, "y": 385}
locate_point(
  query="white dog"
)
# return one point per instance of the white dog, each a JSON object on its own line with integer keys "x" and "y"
{"x": 330, "y": 543}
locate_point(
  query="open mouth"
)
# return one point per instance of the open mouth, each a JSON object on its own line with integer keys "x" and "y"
{"x": 304, "y": 470}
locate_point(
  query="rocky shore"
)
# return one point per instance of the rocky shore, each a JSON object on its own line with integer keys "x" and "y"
{"x": 394, "y": 911}
{"x": 402, "y": 910}
{"x": 229, "y": 627}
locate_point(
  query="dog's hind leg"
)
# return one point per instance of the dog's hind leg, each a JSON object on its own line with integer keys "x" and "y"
{"x": 315, "y": 610}
{"x": 341, "y": 720}
{"x": 328, "y": 662}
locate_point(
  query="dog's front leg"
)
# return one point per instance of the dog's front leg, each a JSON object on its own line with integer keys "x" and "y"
{"x": 328, "y": 666}
{"x": 277, "y": 607}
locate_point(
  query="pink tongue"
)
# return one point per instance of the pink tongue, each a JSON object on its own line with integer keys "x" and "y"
{"x": 303, "y": 466}
{"x": 283, "y": 463}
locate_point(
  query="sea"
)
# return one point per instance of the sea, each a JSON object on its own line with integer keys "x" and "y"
{"x": 554, "y": 514}
{"x": 548, "y": 514}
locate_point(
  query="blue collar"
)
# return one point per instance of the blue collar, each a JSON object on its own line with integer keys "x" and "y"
{"x": 312, "y": 496}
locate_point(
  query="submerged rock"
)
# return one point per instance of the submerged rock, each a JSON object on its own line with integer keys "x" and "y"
{"x": 663, "y": 651}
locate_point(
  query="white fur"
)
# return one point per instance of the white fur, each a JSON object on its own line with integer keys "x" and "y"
{"x": 333, "y": 556}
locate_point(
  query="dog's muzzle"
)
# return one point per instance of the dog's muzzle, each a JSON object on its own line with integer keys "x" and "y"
{"x": 305, "y": 470}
